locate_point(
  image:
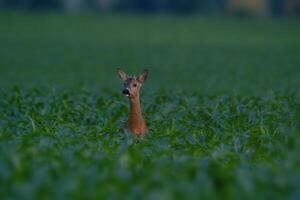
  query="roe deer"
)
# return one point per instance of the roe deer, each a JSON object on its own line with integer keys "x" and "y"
{"x": 132, "y": 85}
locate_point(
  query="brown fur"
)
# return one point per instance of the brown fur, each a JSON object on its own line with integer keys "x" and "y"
{"x": 135, "y": 123}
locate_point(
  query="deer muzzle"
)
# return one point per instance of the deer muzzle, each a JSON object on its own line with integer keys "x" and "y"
{"x": 126, "y": 92}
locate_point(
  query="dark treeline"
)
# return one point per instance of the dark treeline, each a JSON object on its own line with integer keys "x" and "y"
{"x": 257, "y": 7}
{"x": 119, "y": 5}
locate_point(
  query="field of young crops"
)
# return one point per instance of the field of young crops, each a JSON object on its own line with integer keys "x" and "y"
{"x": 221, "y": 102}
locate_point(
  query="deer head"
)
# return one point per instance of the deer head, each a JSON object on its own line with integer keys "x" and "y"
{"x": 132, "y": 84}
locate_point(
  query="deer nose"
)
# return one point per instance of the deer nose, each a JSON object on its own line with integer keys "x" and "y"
{"x": 126, "y": 92}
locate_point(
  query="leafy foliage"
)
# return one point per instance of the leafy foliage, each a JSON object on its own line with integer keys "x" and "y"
{"x": 221, "y": 102}
{"x": 58, "y": 144}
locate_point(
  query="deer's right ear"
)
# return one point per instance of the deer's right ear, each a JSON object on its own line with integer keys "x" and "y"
{"x": 123, "y": 76}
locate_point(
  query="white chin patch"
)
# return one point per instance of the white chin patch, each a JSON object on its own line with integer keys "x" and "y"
{"x": 127, "y": 95}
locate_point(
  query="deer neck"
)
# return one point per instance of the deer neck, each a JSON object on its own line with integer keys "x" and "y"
{"x": 135, "y": 116}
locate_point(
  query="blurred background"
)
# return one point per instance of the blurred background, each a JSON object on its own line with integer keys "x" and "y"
{"x": 69, "y": 142}
{"x": 237, "y": 7}
{"x": 212, "y": 46}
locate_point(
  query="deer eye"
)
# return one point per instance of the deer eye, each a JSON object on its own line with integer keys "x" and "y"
{"x": 134, "y": 85}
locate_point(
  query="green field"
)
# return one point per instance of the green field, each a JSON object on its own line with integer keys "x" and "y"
{"x": 222, "y": 105}
{"x": 196, "y": 54}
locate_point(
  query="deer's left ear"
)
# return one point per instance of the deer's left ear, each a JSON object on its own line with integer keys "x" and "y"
{"x": 143, "y": 76}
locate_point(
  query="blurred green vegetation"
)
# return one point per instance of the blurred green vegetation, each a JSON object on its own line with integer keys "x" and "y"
{"x": 197, "y": 54}
{"x": 221, "y": 102}
{"x": 70, "y": 144}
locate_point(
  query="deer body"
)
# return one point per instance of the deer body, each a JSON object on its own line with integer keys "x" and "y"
{"x": 135, "y": 123}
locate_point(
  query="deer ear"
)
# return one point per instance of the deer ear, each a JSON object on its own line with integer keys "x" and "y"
{"x": 143, "y": 76}
{"x": 123, "y": 76}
